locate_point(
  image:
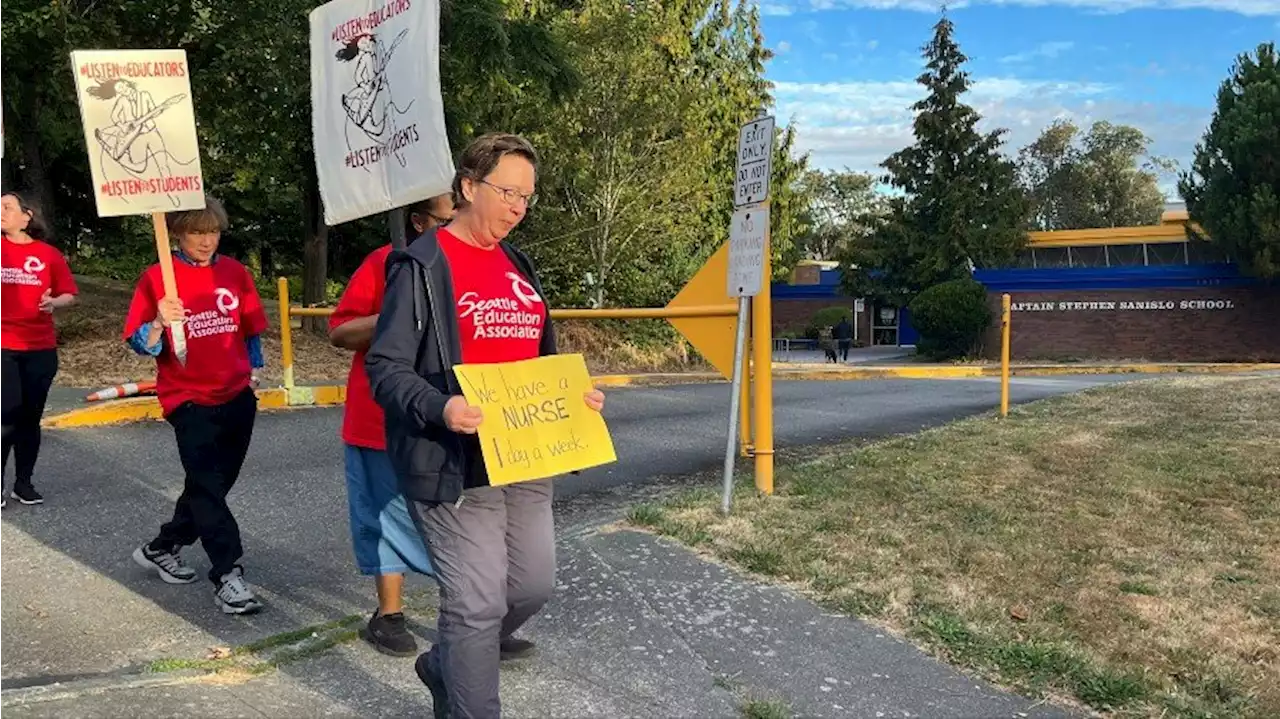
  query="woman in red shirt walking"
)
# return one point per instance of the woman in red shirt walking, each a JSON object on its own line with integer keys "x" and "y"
{"x": 209, "y": 400}
{"x": 385, "y": 541}
{"x": 462, "y": 294}
{"x": 36, "y": 281}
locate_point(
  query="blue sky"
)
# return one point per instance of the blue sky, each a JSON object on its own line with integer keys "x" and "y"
{"x": 844, "y": 70}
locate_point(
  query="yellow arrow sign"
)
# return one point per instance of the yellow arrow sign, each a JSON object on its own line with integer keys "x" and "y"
{"x": 711, "y": 336}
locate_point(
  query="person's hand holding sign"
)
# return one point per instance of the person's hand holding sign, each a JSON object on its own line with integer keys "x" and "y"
{"x": 595, "y": 400}
{"x": 461, "y": 417}
{"x": 169, "y": 311}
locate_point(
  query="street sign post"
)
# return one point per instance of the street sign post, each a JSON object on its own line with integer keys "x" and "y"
{"x": 745, "y": 279}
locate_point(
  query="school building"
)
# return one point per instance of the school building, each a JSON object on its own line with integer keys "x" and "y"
{"x": 1115, "y": 293}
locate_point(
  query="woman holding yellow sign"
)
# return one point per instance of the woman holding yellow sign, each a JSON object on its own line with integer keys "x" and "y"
{"x": 460, "y": 295}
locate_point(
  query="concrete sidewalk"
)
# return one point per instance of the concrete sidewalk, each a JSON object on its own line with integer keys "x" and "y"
{"x": 640, "y": 627}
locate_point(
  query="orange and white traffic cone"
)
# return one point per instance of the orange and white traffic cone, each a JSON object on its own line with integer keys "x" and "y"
{"x": 127, "y": 389}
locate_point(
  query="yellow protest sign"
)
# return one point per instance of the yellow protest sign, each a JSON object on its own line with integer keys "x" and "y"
{"x": 536, "y": 421}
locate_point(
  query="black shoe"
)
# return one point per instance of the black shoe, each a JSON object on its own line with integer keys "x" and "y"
{"x": 27, "y": 494}
{"x": 435, "y": 684}
{"x": 512, "y": 648}
{"x": 387, "y": 634}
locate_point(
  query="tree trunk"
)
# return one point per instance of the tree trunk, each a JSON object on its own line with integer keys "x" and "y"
{"x": 34, "y": 176}
{"x": 315, "y": 258}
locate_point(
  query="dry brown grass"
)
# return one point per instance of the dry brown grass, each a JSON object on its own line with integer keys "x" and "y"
{"x": 1121, "y": 546}
{"x": 91, "y": 353}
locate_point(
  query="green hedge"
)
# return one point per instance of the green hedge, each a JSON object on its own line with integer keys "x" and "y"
{"x": 950, "y": 318}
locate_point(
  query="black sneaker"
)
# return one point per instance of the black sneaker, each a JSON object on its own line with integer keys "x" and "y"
{"x": 512, "y": 648}
{"x": 387, "y": 634}
{"x": 168, "y": 564}
{"x": 27, "y": 494}
{"x": 435, "y": 684}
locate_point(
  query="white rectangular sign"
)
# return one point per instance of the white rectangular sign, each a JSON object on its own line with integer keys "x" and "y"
{"x": 140, "y": 129}
{"x": 376, "y": 112}
{"x": 746, "y": 251}
{"x": 755, "y": 162}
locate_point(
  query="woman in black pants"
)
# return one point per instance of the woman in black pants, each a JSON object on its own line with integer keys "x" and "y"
{"x": 36, "y": 281}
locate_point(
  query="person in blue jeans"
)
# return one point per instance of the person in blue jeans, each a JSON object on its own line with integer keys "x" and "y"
{"x": 383, "y": 536}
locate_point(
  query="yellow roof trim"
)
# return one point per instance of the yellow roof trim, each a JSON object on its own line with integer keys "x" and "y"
{"x": 1147, "y": 235}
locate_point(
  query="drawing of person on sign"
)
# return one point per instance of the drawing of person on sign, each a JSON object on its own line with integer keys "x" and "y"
{"x": 133, "y": 140}
{"x": 367, "y": 104}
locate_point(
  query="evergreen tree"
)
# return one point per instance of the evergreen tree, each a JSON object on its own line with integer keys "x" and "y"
{"x": 961, "y": 204}
{"x": 1233, "y": 190}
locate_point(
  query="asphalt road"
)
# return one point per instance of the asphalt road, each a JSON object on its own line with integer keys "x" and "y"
{"x": 74, "y": 603}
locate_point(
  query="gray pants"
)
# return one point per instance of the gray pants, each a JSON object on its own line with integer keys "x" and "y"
{"x": 495, "y": 561}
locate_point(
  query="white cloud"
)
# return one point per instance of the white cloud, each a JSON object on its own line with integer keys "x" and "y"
{"x": 858, "y": 124}
{"x": 1045, "y": 51}
{"x": 1242, "y": 7}
{"x": 783, "y": 48}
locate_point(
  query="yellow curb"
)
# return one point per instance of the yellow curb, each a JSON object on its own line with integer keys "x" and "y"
{"x": 138, "y": 409}
{"x": 642, "y": 380}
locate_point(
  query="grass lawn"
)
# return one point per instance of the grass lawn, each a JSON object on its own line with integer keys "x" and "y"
{"x": 1119, "y": 547}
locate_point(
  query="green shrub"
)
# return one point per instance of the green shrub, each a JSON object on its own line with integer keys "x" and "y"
{"x": 827, "y": 317}
{"x": 950, "y": 318}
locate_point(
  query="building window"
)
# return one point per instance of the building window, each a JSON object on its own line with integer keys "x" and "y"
{"x": 1125, "y": 256}
{"x": 1025, "y": 259}
{"x": 1052, "y": 257}
{"x": 1088, "y": 256}
{"x": 1164, "y": 254}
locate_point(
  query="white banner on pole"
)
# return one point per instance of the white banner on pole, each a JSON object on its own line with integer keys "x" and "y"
{"x": 376, "y": 112}
{"x": 140, "y": 128}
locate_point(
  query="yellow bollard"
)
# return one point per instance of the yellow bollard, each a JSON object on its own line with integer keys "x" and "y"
{"x": 1006, "y": 313}
{"x": 762, "y": 347}
{"x": 286, "y": 333}
{"x": 744, "y": 407}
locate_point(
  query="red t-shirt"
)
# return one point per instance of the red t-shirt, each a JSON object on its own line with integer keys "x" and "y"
{"x": 500, "y": 315}
{"x": 26, "y": 271}
{"x": 363, "y": 421}
{"x": 223, "y": 310}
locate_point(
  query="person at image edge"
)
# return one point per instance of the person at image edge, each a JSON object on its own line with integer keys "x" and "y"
{"x": 209, "y": 401}
{"x": 36, "y": 282}
{"x": 461, "y": 294}
{"x": 383, "y": 537}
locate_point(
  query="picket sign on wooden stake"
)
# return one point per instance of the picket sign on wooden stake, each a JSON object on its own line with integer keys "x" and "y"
{"x": 140, "y": 131}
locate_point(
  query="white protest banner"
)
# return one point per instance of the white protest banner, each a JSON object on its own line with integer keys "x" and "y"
{"x": 376, "y": 113}
{"x": 140, "y": 129}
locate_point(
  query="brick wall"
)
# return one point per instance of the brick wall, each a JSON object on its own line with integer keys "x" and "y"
{"x": 1170, "y": 325}
{"x": 795, "y": 315}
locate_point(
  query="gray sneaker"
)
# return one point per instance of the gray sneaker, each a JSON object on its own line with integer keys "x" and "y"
{"x": 233, "y": 595}
{"x": 168, "y": 565}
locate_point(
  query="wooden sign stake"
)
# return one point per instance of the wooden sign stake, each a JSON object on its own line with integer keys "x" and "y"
{"x": 176, "y": 329}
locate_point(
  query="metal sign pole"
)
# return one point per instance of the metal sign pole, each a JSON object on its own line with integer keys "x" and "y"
{"x": 395, "y": 228}
{"x": 735, "y": 397}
